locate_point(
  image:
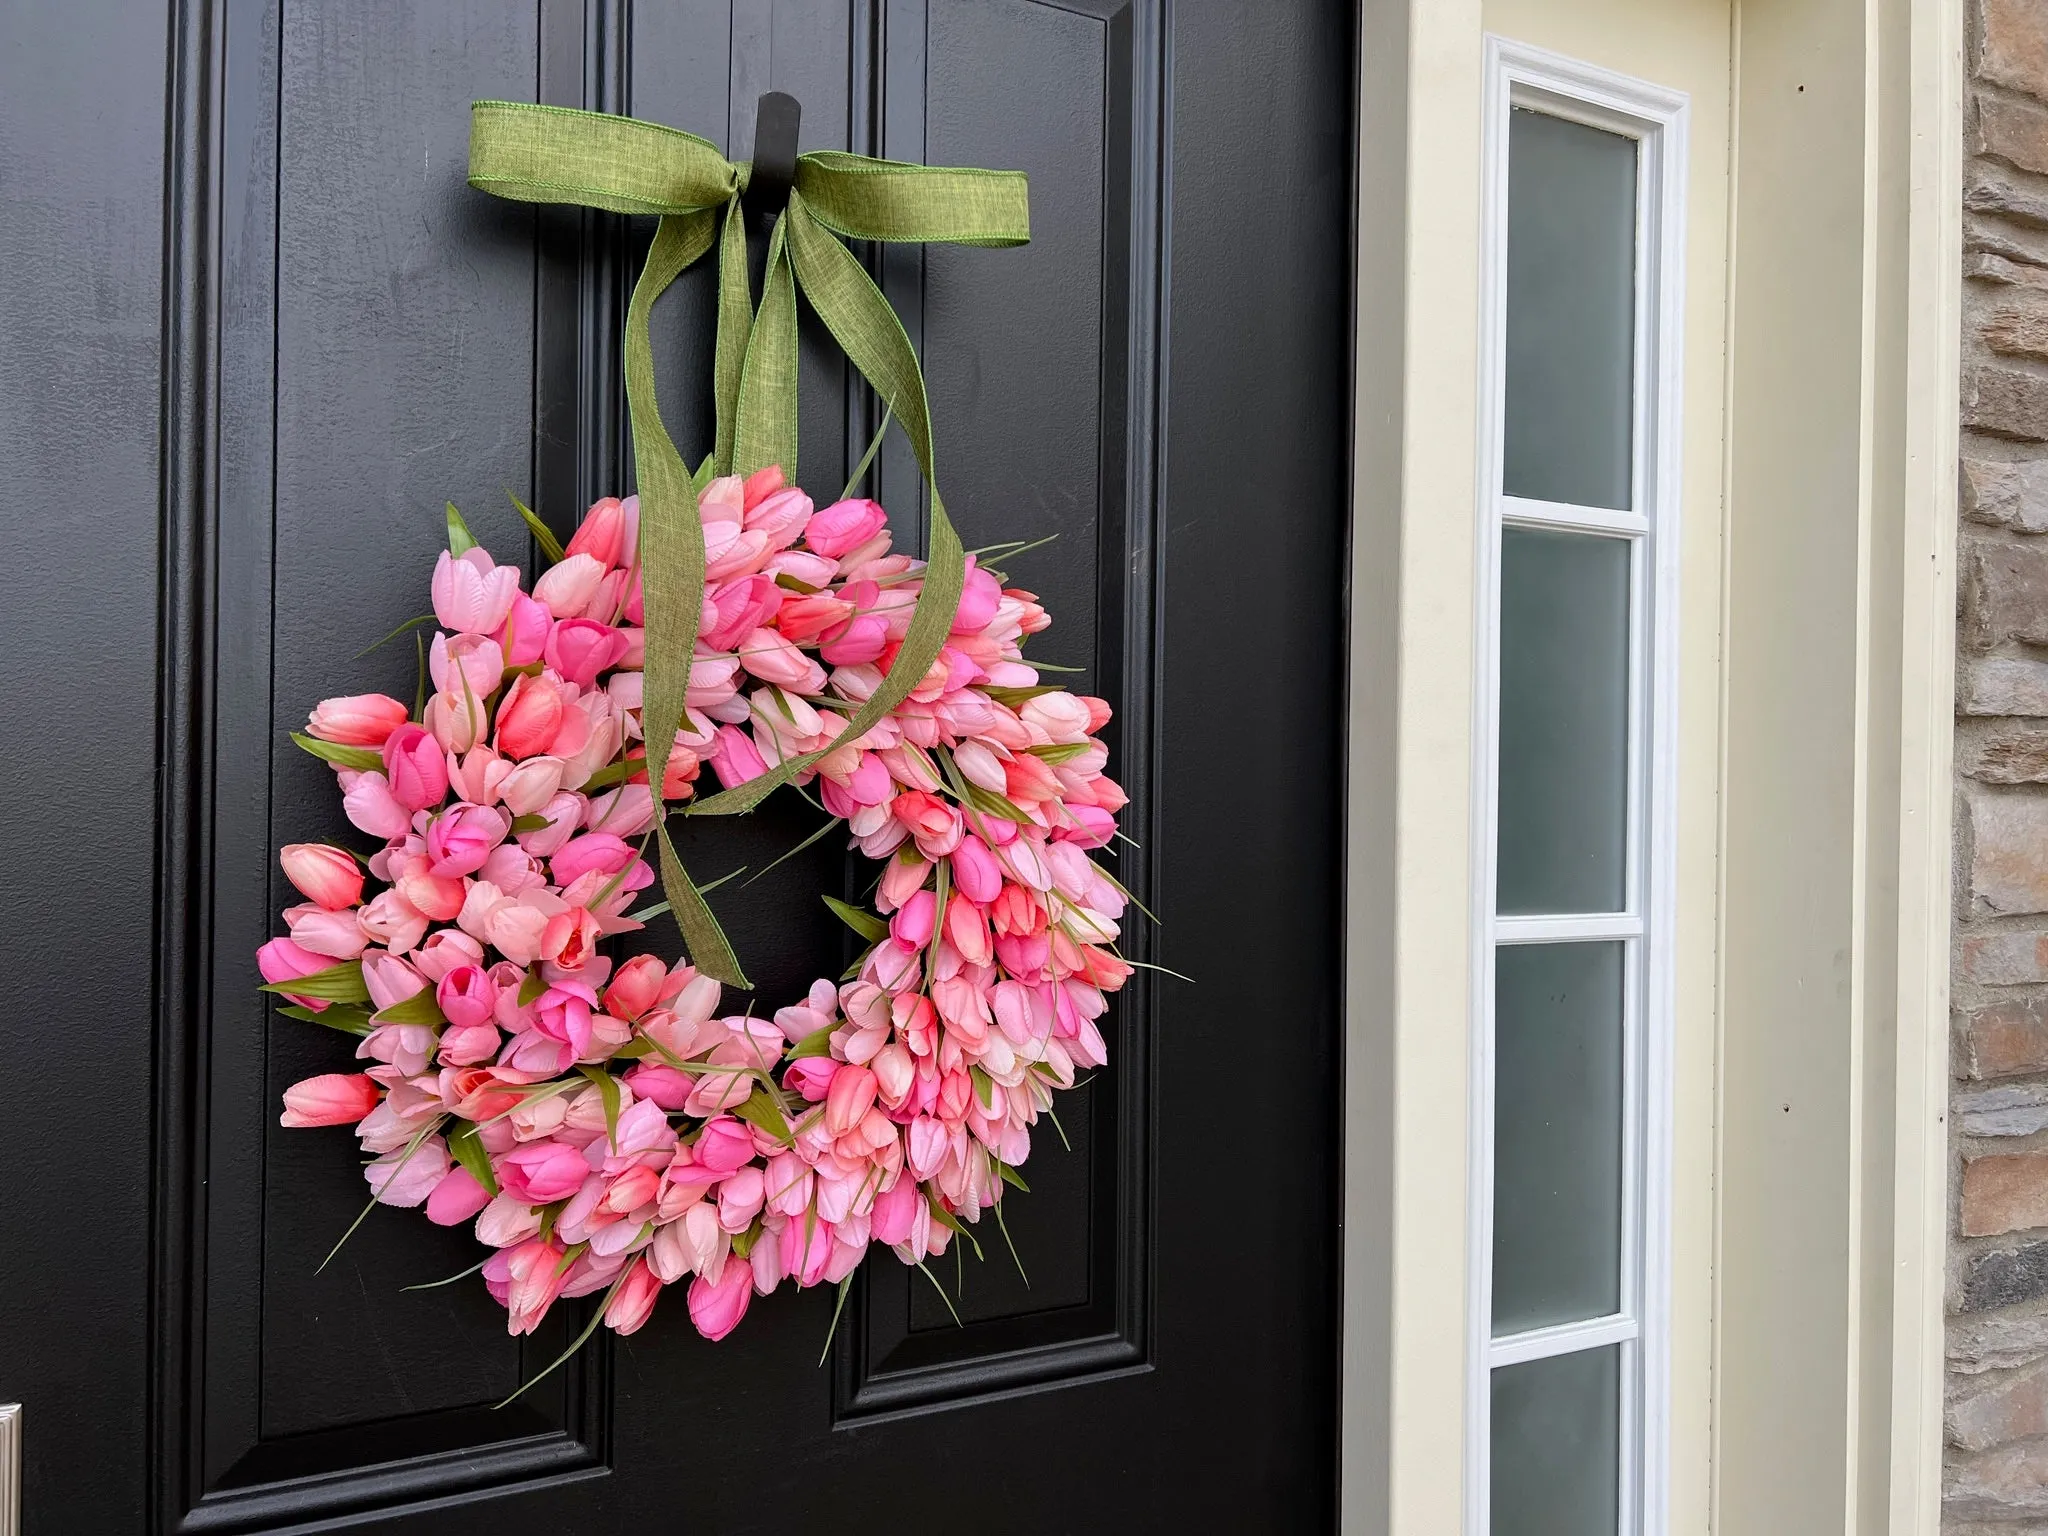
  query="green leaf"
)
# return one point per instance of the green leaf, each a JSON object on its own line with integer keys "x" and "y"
{"x": 866, "y": 924}
{"x": 1055, "y": 1119}
{"x": 341, "y": 983}
{"x": 614, "y": 773}
{"x": 817, "y": 1043}
{"x": 952, "y": 1223}
{"x": 762, "y": 1110}
{"x": 433, "y": 1285}
{"x": 468, "y": 1150}
{"x": 1063, "y": 752}
{"x": 607, "y": 1090}
{"x": 531, "y": 988}
{"x": 942, "y": 1294}
{"x": 799, "y": 848}
{"x": 1010, "y": 698}
{"x": 420, "y": 1008}
{"x": 460, "y": 539}
{"x": 334, "y": 752}
{"x": 533, "y": 823}
{"x": 596, "y": 1317}
{"x": 1010, "y": 1175}
{"x": 845, "y": 1285}
{"x": 633, "y": 1050}
{"x": 350, "y": 1021}
{"x": 874, "y": 447}
{"x": 743, "y": 1242}
{"x": 984, "y": 1088}
{"x": 796, "y": 584}
{"x": 1003, "y": 1227}
{"x": 701, "y": 476}
{"x": 425, "y": 618}
{"x": 543, "y": 535}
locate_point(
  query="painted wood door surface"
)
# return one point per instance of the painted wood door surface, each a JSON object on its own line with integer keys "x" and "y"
{"x": 256, "y": 331}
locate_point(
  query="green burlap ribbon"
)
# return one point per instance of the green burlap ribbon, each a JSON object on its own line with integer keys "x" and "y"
{"x": 540, "y": 154}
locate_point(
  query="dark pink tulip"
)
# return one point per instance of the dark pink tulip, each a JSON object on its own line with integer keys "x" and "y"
{"x": 976, "y": 874}
{"x": 913, "y": 922}
{"x": 462, "y": 837}
{"x": 579, "y": 649}
{"x": 859, "y": 640}
{"x": 456, "y": 1198}
{"x": 717, "y": 1308}
{"x": 526, "y": 631}
{"x": 593, "y": 850}
{"x": 724, "y": 1145}
{"x": 337, "y": 1098}
{"x": 661, "y": 1084}
{"x": 895, "y": 1210}
{"x": 740, "y": 607}
{"x": 541, "y": 1172}
{"x": 979, "y": 599}
{"x": 466, "y": 996}
{"x": 843, "y": 526}
{"x": 811, "y": 1077}
{"x": 1023, "y": 954}
{"x": 282, "y": 960}
{"x": 562, "y": 1013}
{"x": 1086, "y": 825}
{"x": 416, "y": 768}
{"x": 359, "y": 720}
{"x": 325, "y": 875}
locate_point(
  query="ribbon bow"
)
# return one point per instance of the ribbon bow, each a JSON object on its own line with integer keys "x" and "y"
{"x": 540, "y": 154}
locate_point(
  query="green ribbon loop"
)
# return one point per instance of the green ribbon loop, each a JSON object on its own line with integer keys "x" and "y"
{"x": 543, "y": 154}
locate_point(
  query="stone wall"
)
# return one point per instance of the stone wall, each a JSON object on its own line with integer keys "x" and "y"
{"x": 1997, "y": 1412}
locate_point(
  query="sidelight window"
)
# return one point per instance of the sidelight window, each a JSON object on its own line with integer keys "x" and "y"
{"x": 1572, "y": 962}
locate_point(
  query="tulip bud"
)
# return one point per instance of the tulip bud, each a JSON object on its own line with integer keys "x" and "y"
{"x": 360, "y": 720}
{"x": 323, "y": 874}
{"x": 336, "y": 1098}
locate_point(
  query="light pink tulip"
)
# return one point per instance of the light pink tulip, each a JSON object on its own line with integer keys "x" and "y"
{"x": 579, "y": 649}
{"x": 633, "y": 1302}
{"x": 389, "y": 919}
{"x": 456, "y": 1198}
{"x": 471, "y": 594}
{"x": 469, "y": 667}
{"x": 567, "y": 586}
{"x": 282, "y": 960}
{"x": 370, "y": 806}
{"x": 407, "y": 1179}
{"x": 336, "y": 934}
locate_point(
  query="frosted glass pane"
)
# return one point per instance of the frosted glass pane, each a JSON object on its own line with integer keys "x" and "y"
{"x": 1564, "y": 646}
{"x": 1556, "y": 1134}
{"x": 1571, "y": 311}
{"x": 1557, "y": 1446}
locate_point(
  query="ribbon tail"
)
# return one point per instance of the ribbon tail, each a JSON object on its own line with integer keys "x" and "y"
{"x": 672, "y": 577}
{"x": 767, "y": 410}
{"x": 735, "y": 323}
{"x": 865, "y": 326}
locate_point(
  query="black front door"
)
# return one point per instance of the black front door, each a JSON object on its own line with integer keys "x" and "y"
{"x": 244, "y": 363}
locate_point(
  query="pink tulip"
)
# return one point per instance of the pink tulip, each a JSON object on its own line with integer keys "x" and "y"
{"x": 979, "y": 598}
{"x": 462, "y": 837}
{"x": 803, "y": 619}
{"x": 335, "y": 934}
{"x": 468, "y": 668}
{"x": 325, "y": 875}
{"x": 416, "y": 768}
{"x": 843, "y": 526}
{"x": 471, "y": 594}
{"x": 533, "y": 1276}
{"x": 541, "y": 1172}
{"x": 736, "y": 759}
{"x": 367, "y": 801}
{"x": 601, "y": 533}
{"x": 282, "y": 960}
{"x": 741, "y": 607}
{"x": 717, "y": 1307}
{"x": 725, "y": 1144}
{"x": 389, "y": 919}
{"x": 407, "y": 1178}
{"x": 359, "y": 720}
{"x": 466, "y": 996}
{"x": 593, "y": 850}
{"x": 530, "y": 785}
{"x": 633, "y": 1302}
{"x": 567, "y": 586}
{"x": 579, "y": 649}
{"x": 857, "y": 641}
{"x": 636, "y": 987}
{"x": 530, "y": 717}
{"x": 852, "y": 1092}
{"x": 781, "y": 515}
{"x": 570, "y": 940}
{"x": 527, "y": 626}
{"x": 895, "y": 1210}
{"x": 336, "y": 1098}
{"x": 760, "y": 485}
{"x": 562, "y": 1013}
{"x": 774, "y": 660}
{"x": 912, "y": 924}
{"x": 456, "y": 1198}
{"x": 934, "y": 824}
{"x": 1087, "y": 826}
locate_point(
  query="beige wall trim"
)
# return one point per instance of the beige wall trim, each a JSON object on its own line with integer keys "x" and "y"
{"x": 1837, "y": 628}
{"x": 1410, "y": 762}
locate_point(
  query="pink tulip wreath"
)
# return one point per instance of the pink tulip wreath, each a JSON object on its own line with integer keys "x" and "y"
{"x": 603, "y": 1124}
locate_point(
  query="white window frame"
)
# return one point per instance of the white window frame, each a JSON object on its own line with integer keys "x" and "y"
{"x": 1519, "y": 75}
